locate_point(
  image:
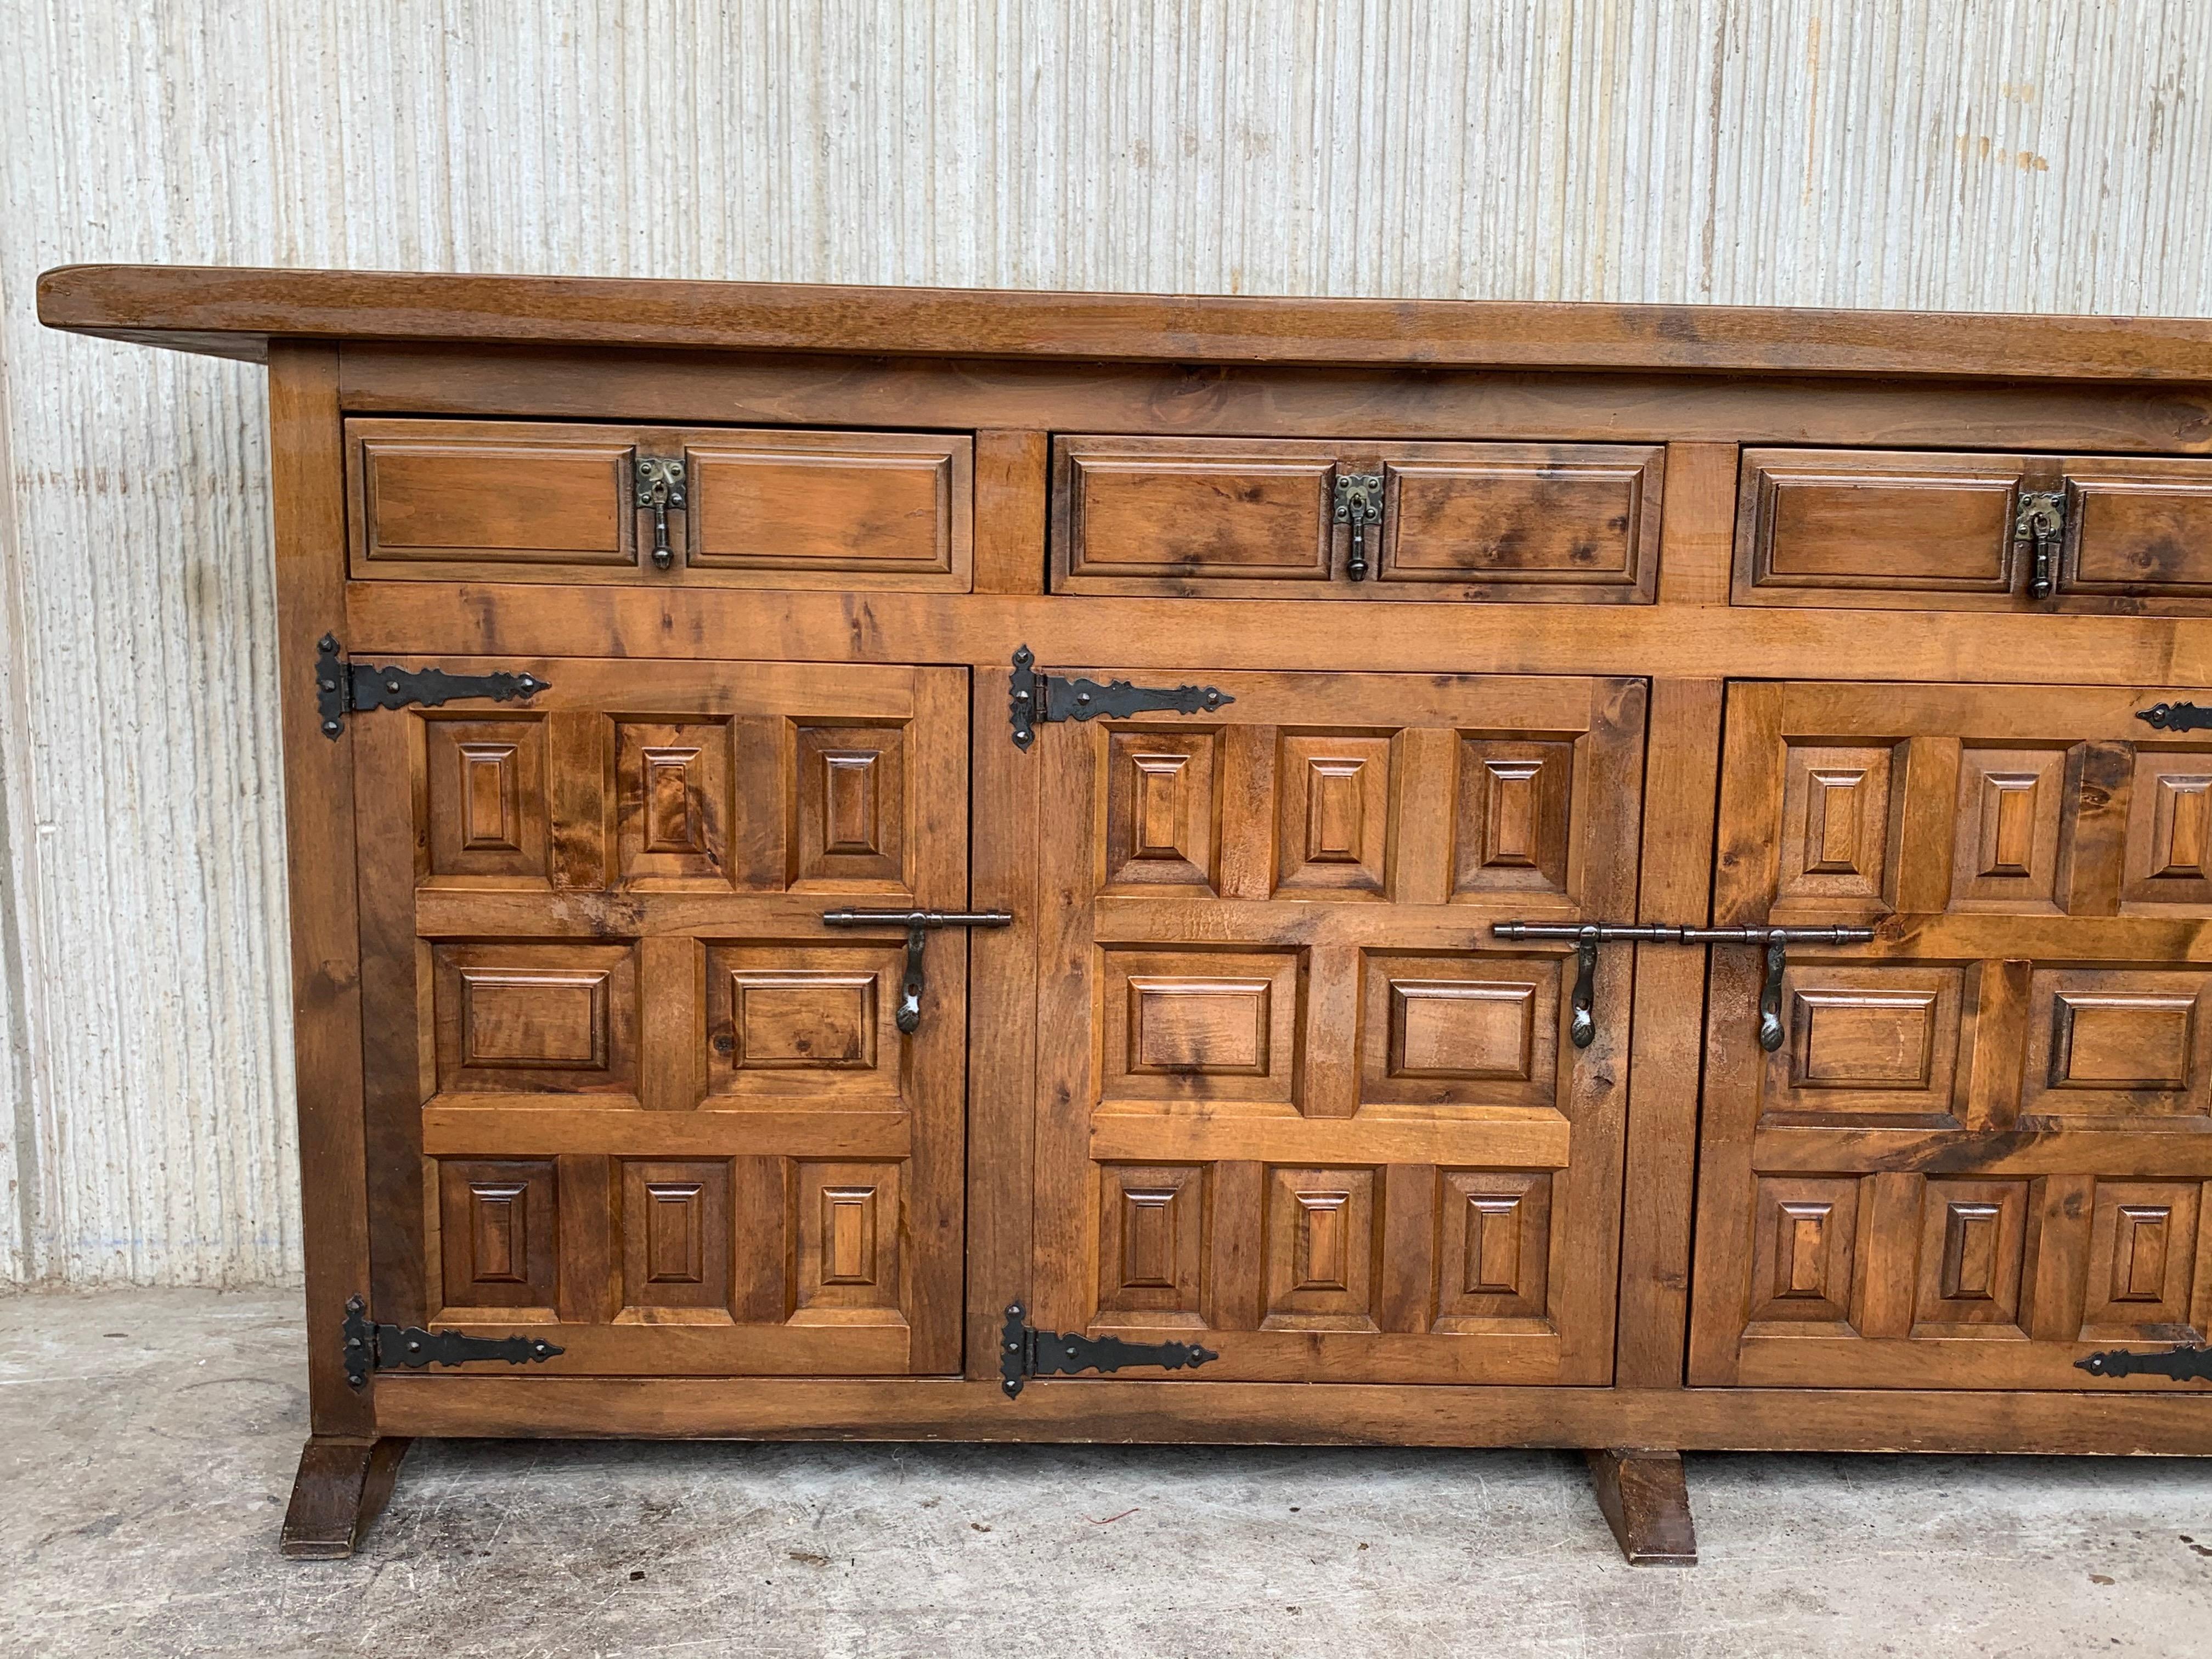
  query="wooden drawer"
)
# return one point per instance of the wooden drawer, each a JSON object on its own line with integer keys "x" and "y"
{"x": 512, "y": 500}
{"x": 1257, "y": 518}
{"x": 1931, "y": 531}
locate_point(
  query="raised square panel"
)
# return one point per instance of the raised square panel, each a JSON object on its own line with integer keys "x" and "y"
{"x": 676, "y": 1241}
{"x": 848, "y": 808}
{"x": 1511, "y": 831}
{"x": 1459, "y": 1028}
{"x": 2005, "y": 853}
{"x": 554, "y": 1017}
{"x": 1151, "y": 1230}
{"x": 498, "y": 1240}
{"x": 1161, "y": 829}
{"x": 1838, "y": 840}
{"x": 1867, "y": 1039}
{"x": 485, "y": 800}
{"x": 1493, "y": 1246}
{"x": 1972, "y": 1238}
{"x": 789, "y": 1024}
{"x": 1804, "y": 1233}
{"x": 2142, "y": 1262}
{"x": 2169, "y": 844}
{"x": 2117, "y": 1040}
{"x": 1195, "y": 1026}
{"x": 1319, "y": 1251}
{"x": 844, "y": 1229}
{"x": 1333, "y": 795}
{"x": 672, "y": 804}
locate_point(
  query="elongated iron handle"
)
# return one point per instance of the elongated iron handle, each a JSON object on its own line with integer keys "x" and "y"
{"x": 919, "y": 925}
{"x": 1356, "y": 567}
{"x": 660, "y": 487}
{"x": 1581, "y": 1027}
{"x": 1770, "y": 994}
{"x": 909, "y": 1004}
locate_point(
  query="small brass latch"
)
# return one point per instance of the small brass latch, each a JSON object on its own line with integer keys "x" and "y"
{"x": 659, "y": 490}
{"x": 2041, "y": 520}
{"x": 1359, "y": 504}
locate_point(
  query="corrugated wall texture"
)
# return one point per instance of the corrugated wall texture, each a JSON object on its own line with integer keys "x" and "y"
{"x": 1998, "y": 154}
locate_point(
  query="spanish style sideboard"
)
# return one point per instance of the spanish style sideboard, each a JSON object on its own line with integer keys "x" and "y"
{"x": 897, "y": 863}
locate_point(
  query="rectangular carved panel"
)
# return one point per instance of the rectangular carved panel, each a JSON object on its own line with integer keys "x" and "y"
{"x": 1867, "y": 1039}
{"x": 553, "y": 1017}
{"x": 2169, "y": 841}
{"x": 1493, "y": 1246}
{"x": 1804, "y": 1248}
{"x": 673, "y": 804}
{"x": 1859, "y": 521}
{"x": 1166, "y": 511}
{"x": 1162, "y": 806}
{"x": 1201, "y": 1025}
{"x": 2139, "y": 527}
{"x": 1512, "y": 828}
{"x": 863, "y": 502}
{"x": 498, "y": 1238}
{"x": 1333, "y": 815}
{"x": 1152, "y": 1235}
{"x": 1566, "y": 520}
{"x": 484, "y": 807}
{"x": 789, "y": 1024}
{"x": 1972, "y": 1238}
{"x": 1320, "y": 1250}
{"x": 1837, "y": 837}
{"x": 539, "y": 502}
{"x": 2142, "y": 1262}
{"x": 2005, "y": 855}
{"x": 845, "y": 1242}
{"x": 676, "y": 1239}
{"x": 1459, "y": 1029}
{"x": 848, "y": 828}
{"x": 2127, "y": 1041}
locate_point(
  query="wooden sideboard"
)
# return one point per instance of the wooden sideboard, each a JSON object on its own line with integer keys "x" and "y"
{"x": 882, "y": 864}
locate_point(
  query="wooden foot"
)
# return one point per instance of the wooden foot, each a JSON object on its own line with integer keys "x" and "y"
{"x": 1647, "y": 1503}
{"x": 341, "y": 1487}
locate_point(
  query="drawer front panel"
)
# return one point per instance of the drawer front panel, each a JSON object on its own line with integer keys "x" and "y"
{"x": 508, "y": 501}
{"x": 1929, "y": 531}
{"x": 1258, "y": 518}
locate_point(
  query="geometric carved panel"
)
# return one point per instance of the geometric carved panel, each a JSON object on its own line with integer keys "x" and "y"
{"x": 1160, "y": 804}
{"x": 2005, "y": 854}
{"x": 498, "y": 1232}
{"x": 2142, "y": 1261}
{"x": 1318, "y": 1251}
{"x": 676, "y": 1239}
{"x": 809, "y": 1024}
{"x": 848, "y": 807}
{"x": 1836, "y": 840}
{"x": 1468, "y": 1030}
{"x": 1867, "y": 1038}
{"x": 1151, "y": 1234}
{"x": 559, "y": 1017}
{"x": 2169, "y": 845}
{"x": 1493, "y": 1246}
{"x": 484, "y": 782}
{"x": 1804, "y": 1247}
{"x": 845, "y": 1243}
{"x": 2117, "y": 1041}
{"x": 1200, "y": 1025}
{"x": 1334, "y": 816}
{"x": 1972, "y": 1236}
{"x": 672, "y": 804}
{"x": 1511, "y": 832}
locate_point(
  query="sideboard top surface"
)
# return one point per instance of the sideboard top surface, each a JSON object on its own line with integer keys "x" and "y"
{"x": 234, "y": 312}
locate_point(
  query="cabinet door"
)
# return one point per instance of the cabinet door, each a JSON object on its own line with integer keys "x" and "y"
{"x": 1293, "y": 1101}
{"x": 625, "y": 1091}
{"x": 1981, "y": 1152}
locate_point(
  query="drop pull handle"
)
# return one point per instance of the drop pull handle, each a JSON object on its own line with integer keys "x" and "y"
{"x": 919, "y": 925}
{"x": 1359, "y": 504}
{"x": 660, "y": 489}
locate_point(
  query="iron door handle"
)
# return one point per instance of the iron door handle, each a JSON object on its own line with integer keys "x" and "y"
{"x": 1359, "y": 504}
{"x": 919, "y": 925}
{"x": 659, "y": 490}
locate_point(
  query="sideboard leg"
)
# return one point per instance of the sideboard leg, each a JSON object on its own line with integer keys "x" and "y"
{"x": 341, "y": 1486}
{"x": 1647, "y": 1504}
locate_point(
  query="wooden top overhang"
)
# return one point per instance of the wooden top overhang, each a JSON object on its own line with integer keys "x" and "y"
{"x": 234, "y": 312}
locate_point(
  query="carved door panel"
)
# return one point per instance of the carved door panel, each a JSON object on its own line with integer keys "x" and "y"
{"x": 1980, "y": 1153}
{"x": 1293, "y": 1102}
{"x": 625, "y": 1091}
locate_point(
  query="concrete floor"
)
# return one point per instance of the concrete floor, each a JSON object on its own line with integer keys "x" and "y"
{"x": 147, "y": 1442}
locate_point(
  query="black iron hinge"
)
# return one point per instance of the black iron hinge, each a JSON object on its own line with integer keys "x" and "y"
{"x": 2175, "y": 717}
{"x": 1037, "y": 697}
{"x": 370, "y": 1347}
{"x": 2182, "y": 1364}
{"x": 344, "y": 688}
{"x": 1024, "y": 1353}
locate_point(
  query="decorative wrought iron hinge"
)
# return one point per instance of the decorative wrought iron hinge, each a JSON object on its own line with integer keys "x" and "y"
{"x": 2040, "y": 521}
{"x": 2175, "y": 717}
{"x": 919, "y": 925}
{"x": 2182, "y": 1364}
{"x": 370, "y": 1347}
{"x": 1359, "y": 503}
{"x": 344, "y": 688}
{"x": 1024, "y": 1353}
{"x": 1037, "y": 697}
{"x": 659, "y": 491}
